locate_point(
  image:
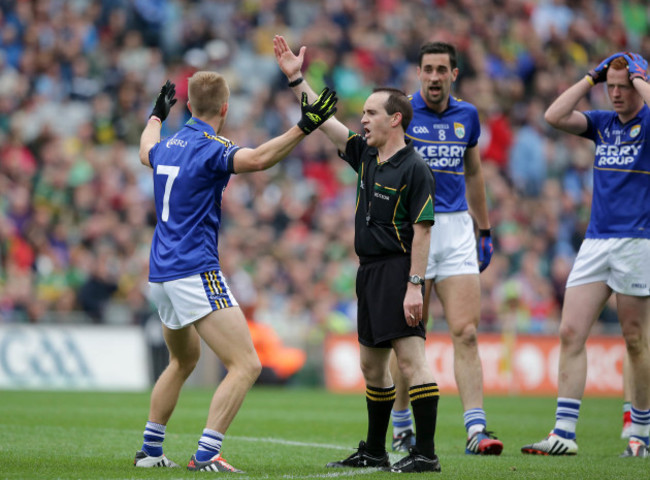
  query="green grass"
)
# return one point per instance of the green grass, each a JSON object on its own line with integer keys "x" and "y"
{"x": 287, "y": 433}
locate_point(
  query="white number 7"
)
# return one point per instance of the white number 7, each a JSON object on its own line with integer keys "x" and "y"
{"x": 172, "y": 173}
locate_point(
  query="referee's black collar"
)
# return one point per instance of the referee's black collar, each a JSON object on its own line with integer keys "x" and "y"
{"x": 396, "y": 159}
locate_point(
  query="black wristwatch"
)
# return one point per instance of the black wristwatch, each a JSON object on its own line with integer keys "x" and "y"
{"x": 416, "y": 280}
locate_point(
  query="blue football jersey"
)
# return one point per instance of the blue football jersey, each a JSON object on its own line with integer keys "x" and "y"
{"x": 441, "y": 139}
{"x": 190, "y": 170}
{"x": 621, "y": 197}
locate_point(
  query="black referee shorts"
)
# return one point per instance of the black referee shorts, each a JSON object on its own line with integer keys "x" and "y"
{"x": 381, "y": 287}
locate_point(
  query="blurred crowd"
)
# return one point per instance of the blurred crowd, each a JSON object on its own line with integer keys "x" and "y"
{"x": 77, "y": 83}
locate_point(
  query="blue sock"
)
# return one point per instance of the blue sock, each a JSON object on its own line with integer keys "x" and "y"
{"x": 475, "y": 420}
{"x": 154, "y": 434}
{"x": 640, "y": 425}
{"x": 566, "y": 417}
{"x": 209, "y": 445}
{"x": 401, "y": 421}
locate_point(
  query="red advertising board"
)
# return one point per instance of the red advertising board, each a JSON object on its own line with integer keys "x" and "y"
{"x": 521, "y": 365}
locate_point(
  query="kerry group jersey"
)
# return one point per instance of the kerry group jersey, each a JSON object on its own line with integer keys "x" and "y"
{"x": 190, "y": 170}
{"x": 621, "y": 196}
{"x": 442, "y": 139}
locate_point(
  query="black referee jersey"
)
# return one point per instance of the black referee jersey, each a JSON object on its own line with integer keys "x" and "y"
{"x": 391, "y": 197}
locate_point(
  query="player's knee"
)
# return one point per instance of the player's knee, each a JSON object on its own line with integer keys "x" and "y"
{"x": 185, "y": 365}
{"x": 255, "y": 368}
{"x": 635, "y": 343}
{"x": 466, "y": 336}
{"x": 570, "y": 336}
{"x": 248, "y": 367}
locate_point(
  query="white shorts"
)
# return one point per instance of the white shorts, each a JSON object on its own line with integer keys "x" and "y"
{"x": 622, "y": 263}
{"x": 186, "y": 300}
{"x": 453, "y": 247}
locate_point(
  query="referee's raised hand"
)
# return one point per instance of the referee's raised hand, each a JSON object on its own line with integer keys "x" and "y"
{"x": 164, "y": 102}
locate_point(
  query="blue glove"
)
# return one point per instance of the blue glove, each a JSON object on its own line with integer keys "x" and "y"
{"x": 599, "y": 74}
{"x": 636, "y": 65}
{"x": 485, "y": 249}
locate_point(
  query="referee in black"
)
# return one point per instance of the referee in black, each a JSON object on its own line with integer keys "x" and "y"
{"x": 394, "y": 215}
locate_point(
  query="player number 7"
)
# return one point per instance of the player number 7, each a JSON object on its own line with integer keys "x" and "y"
{"x": 172, "y": 173}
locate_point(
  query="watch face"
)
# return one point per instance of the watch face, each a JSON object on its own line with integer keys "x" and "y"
{"x": 416, "y": 279}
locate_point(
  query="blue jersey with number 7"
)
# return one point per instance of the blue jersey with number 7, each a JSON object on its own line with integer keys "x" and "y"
{"x": 191, "y": 170}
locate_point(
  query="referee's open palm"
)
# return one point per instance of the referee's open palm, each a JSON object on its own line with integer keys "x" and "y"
{"x": 289, "y": 63}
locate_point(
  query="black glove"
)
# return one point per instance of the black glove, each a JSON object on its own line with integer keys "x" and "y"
{"x": 314, "y": 115}
{"x": 165, "y": 101}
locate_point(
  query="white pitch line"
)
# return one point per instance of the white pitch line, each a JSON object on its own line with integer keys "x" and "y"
{"x": 291, "y": 443}
{"x": 347, "y": 473}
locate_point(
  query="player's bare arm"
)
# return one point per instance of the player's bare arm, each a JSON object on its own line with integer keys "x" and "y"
{"x": 562, "y": 113}
{"x": 291, "y": 66}
{"x": 643, "y": 88}
{"x": 267, "y": 154}
{"x": 271, "y": 152}
{"x": 150, "y": 137}
{"x": 476, "y": 188}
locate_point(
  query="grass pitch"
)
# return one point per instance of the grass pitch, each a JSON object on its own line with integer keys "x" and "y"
{"x": 288, "y": 433}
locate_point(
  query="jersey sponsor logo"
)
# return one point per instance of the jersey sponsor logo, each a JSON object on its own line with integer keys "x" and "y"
{"x": 459, "y": 129}
{"x": 635, "y": 130}
{"x": 442, "y": 156}
{"x": 177, "y": 142}
{"x": 383, "y": 196}
{"x": 443, "y": 162}
{"x": 612, "y": 155}
{"x": 420, "y": 129}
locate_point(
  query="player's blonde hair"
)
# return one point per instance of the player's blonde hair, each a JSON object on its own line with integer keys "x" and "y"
{"x": 207, "y": 92}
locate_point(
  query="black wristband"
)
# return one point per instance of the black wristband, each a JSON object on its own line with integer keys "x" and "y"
{"x": 487, "y": 232}
{"x": 296, "y": 82}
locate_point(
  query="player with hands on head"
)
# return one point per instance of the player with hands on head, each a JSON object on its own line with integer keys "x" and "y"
{"x": 393, "y": 220}
{"x": 614, "y": 257}
{"x": 190, "y": 172}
